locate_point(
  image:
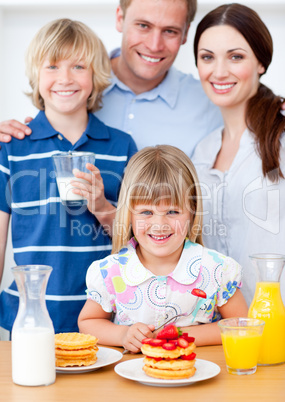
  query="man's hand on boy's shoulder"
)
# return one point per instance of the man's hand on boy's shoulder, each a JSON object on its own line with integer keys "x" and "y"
{"x": 13, "y": 128}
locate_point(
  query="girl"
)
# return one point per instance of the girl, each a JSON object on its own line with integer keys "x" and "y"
{"x": 241, "y": 165}
{"x": 158, "y": 258}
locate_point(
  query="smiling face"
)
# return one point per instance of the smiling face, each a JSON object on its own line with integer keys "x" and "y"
{"x": 229, "y": 70}
{"x": 153, "y": 32}
{"x": 160, "y": 231}
{"x": 65, "y": 86}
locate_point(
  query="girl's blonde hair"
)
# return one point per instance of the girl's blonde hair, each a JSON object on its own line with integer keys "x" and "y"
{"x": 63, "y": 39}
{"x": 155, "y": 174}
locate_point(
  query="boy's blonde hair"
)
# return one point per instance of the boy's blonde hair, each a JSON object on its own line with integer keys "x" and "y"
{"x": 155, "y": 174}
{"x": 63, "y": 39}
{"x": 191, "y": 8}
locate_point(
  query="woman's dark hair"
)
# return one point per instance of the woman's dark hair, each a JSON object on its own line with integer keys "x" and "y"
{"x": 263, "y": 115}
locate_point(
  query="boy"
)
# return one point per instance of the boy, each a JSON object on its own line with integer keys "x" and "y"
{"x": 68, "y": 69}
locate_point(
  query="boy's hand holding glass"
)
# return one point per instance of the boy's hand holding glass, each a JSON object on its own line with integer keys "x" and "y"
{"x": 91, "y": 187}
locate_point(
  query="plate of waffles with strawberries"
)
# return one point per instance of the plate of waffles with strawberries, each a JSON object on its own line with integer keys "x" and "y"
{"x": 133, "y": 370}
{"x": 169, "y": 360}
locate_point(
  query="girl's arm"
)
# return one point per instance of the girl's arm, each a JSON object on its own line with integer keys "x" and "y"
{"x": 209, "y": 334}
{"x": 95, "y": 321}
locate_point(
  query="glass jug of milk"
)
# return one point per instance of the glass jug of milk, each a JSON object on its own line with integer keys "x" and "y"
{"x": 33, "y": 353}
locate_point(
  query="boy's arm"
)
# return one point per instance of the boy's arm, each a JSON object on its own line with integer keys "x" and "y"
{"x": 4, "y": 224}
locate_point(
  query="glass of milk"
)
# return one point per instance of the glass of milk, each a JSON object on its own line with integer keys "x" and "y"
{"x": 65, "y": 164}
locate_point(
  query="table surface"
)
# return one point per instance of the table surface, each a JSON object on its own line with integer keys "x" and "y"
{"x": 105, "y": 385}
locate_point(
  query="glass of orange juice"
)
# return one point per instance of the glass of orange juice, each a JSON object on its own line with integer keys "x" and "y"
{"x": 241, "y": 338}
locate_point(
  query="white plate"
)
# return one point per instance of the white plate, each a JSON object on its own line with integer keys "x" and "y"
{"x": 132, "y": 370}
{"x": 105, "y": 356}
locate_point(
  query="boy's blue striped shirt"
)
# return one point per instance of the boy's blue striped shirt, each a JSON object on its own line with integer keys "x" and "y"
{"x": 43, "y": 230}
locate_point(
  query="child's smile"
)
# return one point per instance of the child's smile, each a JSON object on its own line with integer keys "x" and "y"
{"x": 160, "y": 231}
{"x": 65, "y": 86}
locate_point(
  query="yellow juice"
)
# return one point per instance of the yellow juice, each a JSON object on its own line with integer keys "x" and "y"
{"x": 241, "y": 348}
{"x": 267, "y": 305}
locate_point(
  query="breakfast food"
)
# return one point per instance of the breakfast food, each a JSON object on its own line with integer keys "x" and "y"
{"x": 170, "y": 355}
{"x": 75, "y": 349}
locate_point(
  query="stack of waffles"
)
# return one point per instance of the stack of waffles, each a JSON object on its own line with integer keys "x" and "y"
{"x": 75, "y": 349}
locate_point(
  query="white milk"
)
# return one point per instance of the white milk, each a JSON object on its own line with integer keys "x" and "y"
{"x": 33, "y": 356}
{"x": 65, "y": 188}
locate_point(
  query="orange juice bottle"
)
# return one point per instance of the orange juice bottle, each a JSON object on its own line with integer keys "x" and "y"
{"x": 267, "y": 305}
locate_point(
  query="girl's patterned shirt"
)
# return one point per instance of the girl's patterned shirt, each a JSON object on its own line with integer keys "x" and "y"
{"x": 124, "y": 287}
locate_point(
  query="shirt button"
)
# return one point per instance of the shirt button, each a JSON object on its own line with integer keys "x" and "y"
{"x": 131, "y": 116}
{"x": 60, "y": 137}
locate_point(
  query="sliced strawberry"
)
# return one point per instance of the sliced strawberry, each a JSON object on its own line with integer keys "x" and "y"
{"x": 199, "y": 293}
{"x": 169, "y": 346}
{"x": 183, "y": 343}
{"x": 169, "y": 332}
{"x": 157, "y": 342}
{"x": 188, "y": 338}
{"x": 146, "y": 341}
{"x": 188, "y": 357}
{"x": 174, "y": 341}
{"x": 155, "y": 358}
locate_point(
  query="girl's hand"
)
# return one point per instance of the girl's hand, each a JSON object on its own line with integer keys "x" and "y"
{"x": 132, "y": 339}
{"x": 92, "y": 190}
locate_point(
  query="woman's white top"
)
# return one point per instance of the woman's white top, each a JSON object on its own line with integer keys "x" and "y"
{"x": 244, "y": 213}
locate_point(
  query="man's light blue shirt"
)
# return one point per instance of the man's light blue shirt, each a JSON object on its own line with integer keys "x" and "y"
{"x": 177, "y": 112}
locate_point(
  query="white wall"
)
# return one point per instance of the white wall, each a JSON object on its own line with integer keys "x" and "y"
{"x": 20, "y": 20}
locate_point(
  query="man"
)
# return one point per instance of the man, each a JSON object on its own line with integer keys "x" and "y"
{"x": 148, "y": 98}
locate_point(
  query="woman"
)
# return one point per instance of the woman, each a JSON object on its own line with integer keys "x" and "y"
{"x": 241, "y": 165}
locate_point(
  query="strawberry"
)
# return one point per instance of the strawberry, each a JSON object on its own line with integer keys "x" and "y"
{"x": 146, "y": 341}
{"x": 199, "y": 293}
{"x": 188, "y": 357}
{"x": 157, "y": 342}
{"x": 183, "y": 343}
{"x": 188, "y": 338}
{"x": 157, "y": 359}
{"x": 169, "y": 332}
{"x": 169, "y": 346}
{"x": 174, "y": 341}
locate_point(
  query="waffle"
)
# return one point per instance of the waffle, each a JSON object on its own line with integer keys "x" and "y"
{"x": 169, "y": 359}
{"x": 74, "y": 340}
{"x": 158, "y": 351}
{"x": 169, "y": 374}
{"x": 163, "y": 364}
{"x": 76, "y": 353}
{"x": 75, "y": 349}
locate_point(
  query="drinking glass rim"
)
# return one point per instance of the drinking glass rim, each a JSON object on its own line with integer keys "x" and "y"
{"x": 256, "y": 322}
{"x": 72, "y": 154}
{"x": 32, "y": 268}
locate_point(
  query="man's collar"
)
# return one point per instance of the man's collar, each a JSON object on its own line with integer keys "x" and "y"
{"x": 186, "y": 271}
